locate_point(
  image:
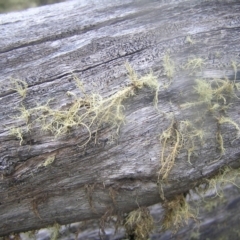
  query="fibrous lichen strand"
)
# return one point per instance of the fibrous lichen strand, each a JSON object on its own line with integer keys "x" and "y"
{"x": 19, "y": 86}
{"x": 89, "y": 112}
{"x": 169, "y": 68}
{"x": 177, "y": 213}
{"x": 139, "y": 223}
{"x": 167, "y": 161}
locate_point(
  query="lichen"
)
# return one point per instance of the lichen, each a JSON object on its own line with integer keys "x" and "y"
{"x": 19, "y": 86}
{"x": 177, "y": 213}
{"x": 89, "y": 112}
{"x": 169, "y": 67}
{"x": 139, "y": 223}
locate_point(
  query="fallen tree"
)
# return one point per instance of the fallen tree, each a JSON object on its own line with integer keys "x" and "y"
{"x": 109, "y": 107}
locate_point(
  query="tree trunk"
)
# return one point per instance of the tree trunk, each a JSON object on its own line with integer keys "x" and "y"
{"x": 93, "y": 170}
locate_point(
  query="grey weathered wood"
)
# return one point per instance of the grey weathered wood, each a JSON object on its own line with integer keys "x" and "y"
{"x": 219, "y": 220}
{"x": 93, "y": 40}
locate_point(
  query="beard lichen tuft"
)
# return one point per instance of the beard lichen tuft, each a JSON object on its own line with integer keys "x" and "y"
{"x": 139, "y": 224}
{"x": 89, "y": 112}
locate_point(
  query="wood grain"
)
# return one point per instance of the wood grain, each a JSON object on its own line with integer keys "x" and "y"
{"x": 93, "y": 40}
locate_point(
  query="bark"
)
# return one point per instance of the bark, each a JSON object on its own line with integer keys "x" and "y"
{"x": 93, "y": 40}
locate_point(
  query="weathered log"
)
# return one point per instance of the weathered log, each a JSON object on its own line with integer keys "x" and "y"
{"x": 47, "y": 46}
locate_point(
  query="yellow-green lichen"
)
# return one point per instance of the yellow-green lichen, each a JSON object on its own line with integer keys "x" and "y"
{"x": 139, "y": 223}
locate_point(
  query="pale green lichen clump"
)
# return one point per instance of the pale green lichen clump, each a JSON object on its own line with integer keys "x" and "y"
{"x": 215, "y": 93}
{"x": 90, "y": 111}
{"x": 215, "y": 97}
{"x": 169, "y": 67}
{"x": 18, "y": 132}
{"x": 225, "y": 176}
{"x": 139, "y": 223}
{"x": 167, "y": 160}
{"x": 195, "y": 64}
{"x": 19, "y": 86}
{"x": 177, "y": 213}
